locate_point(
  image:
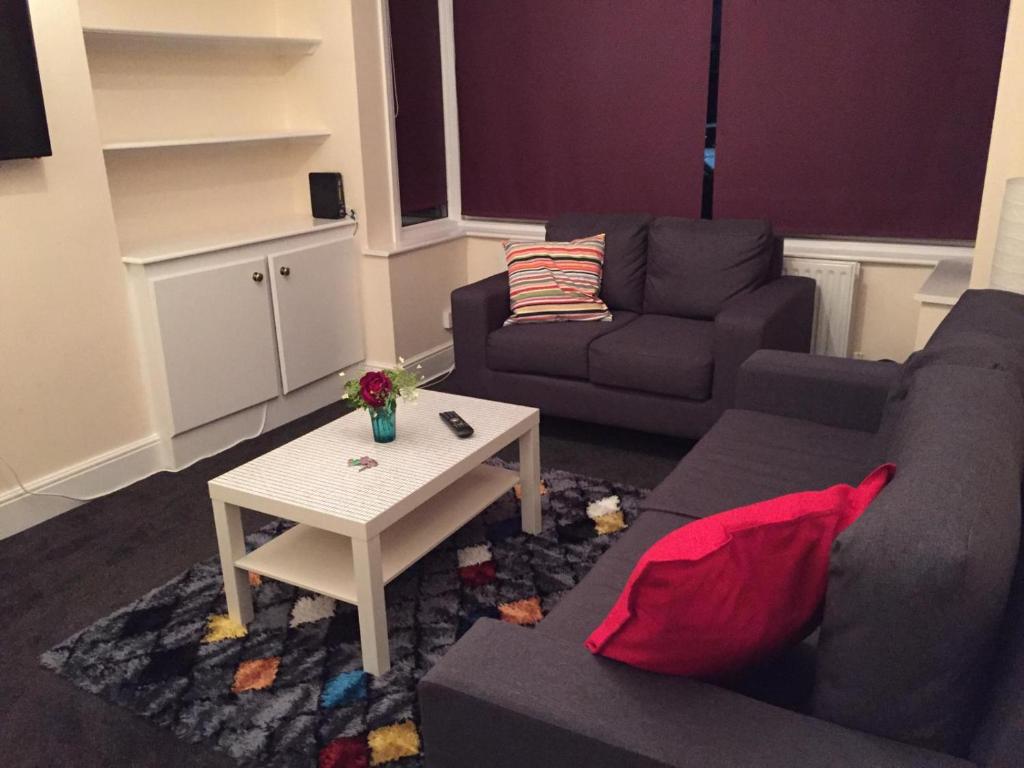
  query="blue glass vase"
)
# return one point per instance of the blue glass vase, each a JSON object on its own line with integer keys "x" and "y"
{"x": 383, "y": 422}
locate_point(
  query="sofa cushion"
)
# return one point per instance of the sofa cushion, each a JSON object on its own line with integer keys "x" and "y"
{"x": 549, "y": 349}
{"x": 918, "y": 585}
{"x": 695, "y": 266}
{"x": 625, "y": 254}
{"x": 657, "y": 354}
{"x": 785, "y": 681}
{"x": 740, "y": 586}
{"x": 748, "y": 457}
{"x": 555, "y": 281}
{"x": 583, "y": 607}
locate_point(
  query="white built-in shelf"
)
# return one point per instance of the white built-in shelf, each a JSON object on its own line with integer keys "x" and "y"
{"x": 278, "y": 44}
{"x": 229, "y": 237}
{"x": 947, "y": 282}
{"x": 241, "y": 138}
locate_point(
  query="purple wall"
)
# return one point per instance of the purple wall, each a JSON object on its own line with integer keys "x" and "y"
{"x": 586, "y": 105}
{"x": 857, "y": 117}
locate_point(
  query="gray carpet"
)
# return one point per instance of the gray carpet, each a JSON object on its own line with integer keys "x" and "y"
{"x": 65, "y": 574}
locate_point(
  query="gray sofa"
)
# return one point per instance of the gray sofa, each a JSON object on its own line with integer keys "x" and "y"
{"x": 919, "y": 656}
{"x": 691, "y": 300}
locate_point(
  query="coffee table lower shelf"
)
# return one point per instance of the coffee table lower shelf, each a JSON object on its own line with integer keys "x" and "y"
{"x": 321, "y": 561}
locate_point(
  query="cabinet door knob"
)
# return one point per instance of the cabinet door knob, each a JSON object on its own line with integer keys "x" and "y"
{"x": 257, "y": 277}
{"x": 285, "y": 271}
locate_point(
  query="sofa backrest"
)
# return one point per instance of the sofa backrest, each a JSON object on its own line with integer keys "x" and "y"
{"x": 984, "y": 329}
{"x": 918, "y": 586}
{"x": 625, "y": 252}
{"x": 995, "y": 313}
{"x": 695, "y": 266}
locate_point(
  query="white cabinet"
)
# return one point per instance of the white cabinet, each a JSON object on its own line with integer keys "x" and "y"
{"x": 264, "y": 322}
{"x": 316, "y": 311}
{"x": 214, "y": 335}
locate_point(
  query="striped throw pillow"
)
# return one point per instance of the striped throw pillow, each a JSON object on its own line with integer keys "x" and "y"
{"x": 550, "y": 282}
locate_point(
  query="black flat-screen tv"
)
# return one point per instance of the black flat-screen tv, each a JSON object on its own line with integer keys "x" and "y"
{"x": 23, "y": 129}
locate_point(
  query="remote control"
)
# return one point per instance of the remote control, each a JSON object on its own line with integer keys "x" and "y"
{"x": 456, "y": 424}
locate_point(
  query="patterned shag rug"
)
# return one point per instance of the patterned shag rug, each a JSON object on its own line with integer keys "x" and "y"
{"x": 290, "y": 691}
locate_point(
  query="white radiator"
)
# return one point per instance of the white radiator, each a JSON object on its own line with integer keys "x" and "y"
{"x": 833, "y": 301}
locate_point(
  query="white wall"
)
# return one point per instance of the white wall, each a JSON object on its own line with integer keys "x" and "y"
{"x": 70, "y": 384}
{"x": 1006, "y": 149}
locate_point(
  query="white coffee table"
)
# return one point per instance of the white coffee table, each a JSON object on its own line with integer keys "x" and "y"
{"x": 358, "y": 530}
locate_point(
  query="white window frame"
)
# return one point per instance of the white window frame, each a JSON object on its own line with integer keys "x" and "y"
{"x": 438, "y": 230}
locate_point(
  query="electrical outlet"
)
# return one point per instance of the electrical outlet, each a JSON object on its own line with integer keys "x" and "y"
{"x": 858, "y": 355}
{"x": 446, "y": 319}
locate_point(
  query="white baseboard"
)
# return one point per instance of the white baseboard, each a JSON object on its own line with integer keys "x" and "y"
{"x": 96, "y": 476}
{"x": 435, "y": 362}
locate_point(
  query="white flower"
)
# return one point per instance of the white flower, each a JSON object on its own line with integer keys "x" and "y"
{"x": 604, "y": 506}
{"x": 481, "y": 553}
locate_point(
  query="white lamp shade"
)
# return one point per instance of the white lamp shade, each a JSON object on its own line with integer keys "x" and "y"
{"x": 1008, "y": 259}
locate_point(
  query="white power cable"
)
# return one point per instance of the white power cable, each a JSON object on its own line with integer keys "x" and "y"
{"x": 27, "y": 492}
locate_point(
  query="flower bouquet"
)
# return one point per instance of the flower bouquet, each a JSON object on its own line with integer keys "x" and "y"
{"x": 378, "y": 393}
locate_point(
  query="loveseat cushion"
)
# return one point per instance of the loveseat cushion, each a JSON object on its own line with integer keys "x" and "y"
{"x": 555, "y": 281}
{"x": 918, "y": 585}
{"x": 748, "y": 457}
{"x": 657, "y": 354}
{"x": 625, "y": 253}
{"x": 695, "y": 266}
{"x": 549, "y": 349}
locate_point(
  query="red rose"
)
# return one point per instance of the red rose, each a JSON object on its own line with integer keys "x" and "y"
{"x": 375, "y": 386}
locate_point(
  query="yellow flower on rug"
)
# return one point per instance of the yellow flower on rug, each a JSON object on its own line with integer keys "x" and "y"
{"x": 393, "y": 742}
{"x": 222, "y": 627}
{"x": 255, "y": 580}
{"x": 519, "y": 490}
{"x": 610, "y": 523}
{"x": 521, "y": 611}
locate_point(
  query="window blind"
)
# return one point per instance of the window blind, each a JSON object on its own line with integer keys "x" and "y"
{"x": 866, "y": 118}
{"x": 581, "y": 105}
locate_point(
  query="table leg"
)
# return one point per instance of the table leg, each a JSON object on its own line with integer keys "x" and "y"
{"x": 529, "y": 480}
{"x": 231, "y": 543}
{"x": 373, "y": 618}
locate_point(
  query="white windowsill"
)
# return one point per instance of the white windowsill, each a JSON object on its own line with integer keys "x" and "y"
{"x": 431, "y": 233}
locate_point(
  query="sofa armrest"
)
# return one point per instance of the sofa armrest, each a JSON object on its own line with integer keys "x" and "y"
{"x": 477, "y": 309}
{"x": 778, "y": 315}
{"x": 835, "y": 391}
{"x": 505, "y": 696}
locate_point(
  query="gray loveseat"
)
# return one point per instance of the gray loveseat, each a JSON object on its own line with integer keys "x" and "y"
{"x": 691, "y": 301}
{"x": 919, "y": 657}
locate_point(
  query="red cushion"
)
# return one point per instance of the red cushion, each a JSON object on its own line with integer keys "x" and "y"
{"x": 734, "y": 588}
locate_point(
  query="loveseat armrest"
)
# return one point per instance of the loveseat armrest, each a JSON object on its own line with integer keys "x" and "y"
{"x": 834, "y": 391}
{"x": 477, "y": 309}
{"x": 778, "y": 315}
{"x": 504, "y": 696}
